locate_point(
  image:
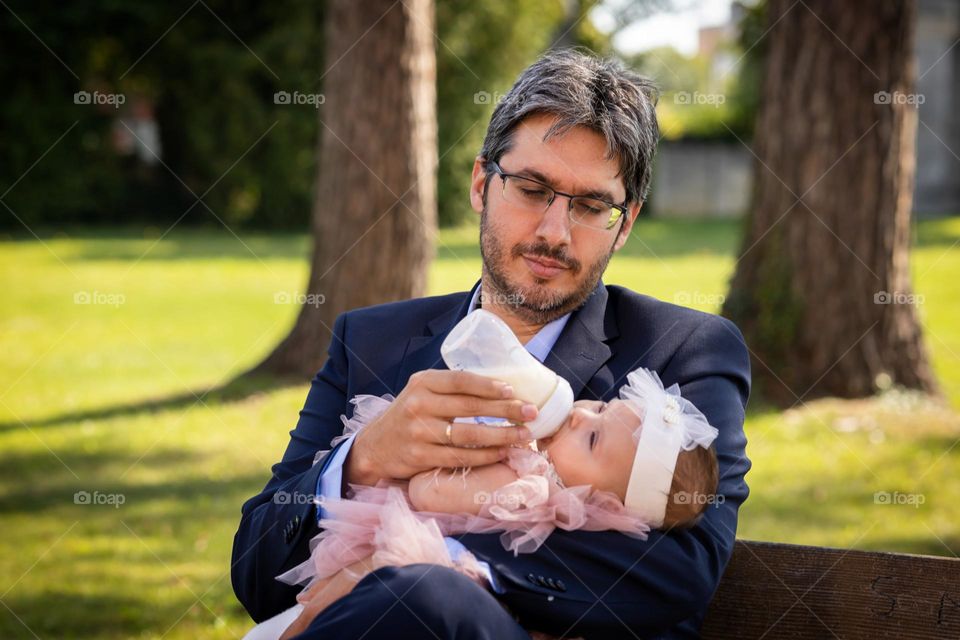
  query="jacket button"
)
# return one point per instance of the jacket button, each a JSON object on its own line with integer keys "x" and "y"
{"x": 541, "y": 581}
{"x": 551, "y": 583}
{"x": 532, "y": 578}
{"x": 290, "y": 529}
{"x": 561, "y": 586}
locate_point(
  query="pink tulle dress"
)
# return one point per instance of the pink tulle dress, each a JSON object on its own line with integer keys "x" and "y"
{"x": 380, "y": 522}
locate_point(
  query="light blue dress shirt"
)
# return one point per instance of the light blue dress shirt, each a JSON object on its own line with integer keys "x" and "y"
{"x": 329, "y": 484}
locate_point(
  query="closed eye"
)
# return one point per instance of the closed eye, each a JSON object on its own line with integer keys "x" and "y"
{"x": 593, "y": 439}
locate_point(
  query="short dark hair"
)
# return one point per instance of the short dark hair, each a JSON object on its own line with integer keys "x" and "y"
{"x": 583, "y": 89}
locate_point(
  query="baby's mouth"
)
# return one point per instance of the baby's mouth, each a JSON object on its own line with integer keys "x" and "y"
{"x": 543, "y": 443}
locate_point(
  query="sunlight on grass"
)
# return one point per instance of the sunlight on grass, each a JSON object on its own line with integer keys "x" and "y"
{"x": 112, "y": 340}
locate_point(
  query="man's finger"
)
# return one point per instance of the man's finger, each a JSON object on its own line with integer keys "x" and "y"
{"x": 452, "y": 457}
{"x": 466, "y": 383}
{"x": 462, "y": 406}
{"x": 478, "y": 435}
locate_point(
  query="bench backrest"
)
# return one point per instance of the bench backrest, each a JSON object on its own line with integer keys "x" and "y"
{"x": 789, "y": 591}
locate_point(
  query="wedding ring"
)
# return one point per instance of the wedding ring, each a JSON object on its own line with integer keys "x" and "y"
{"x": 449, "y": 434}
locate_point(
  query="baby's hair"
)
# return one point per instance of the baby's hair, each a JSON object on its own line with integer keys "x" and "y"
{"x": 695, "y": 480}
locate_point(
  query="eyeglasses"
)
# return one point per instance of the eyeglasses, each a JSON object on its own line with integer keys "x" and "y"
{"x": 537, "y": 197}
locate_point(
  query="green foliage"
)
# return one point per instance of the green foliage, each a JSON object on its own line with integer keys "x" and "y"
{"x": 746, "y": 84}
{"x": 212, "y": 84}
{"x": 714, "y": 98}
{"x": 213, "y": 100}
{"x": 481, "y": 48}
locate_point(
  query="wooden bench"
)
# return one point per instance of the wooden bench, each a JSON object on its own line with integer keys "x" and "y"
{"x": 790, "y": 591}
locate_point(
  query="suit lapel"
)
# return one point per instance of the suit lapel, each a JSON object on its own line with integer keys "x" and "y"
{"x": 423, "y": 352}
{"x": 578, "y": 354}
{"x": 581, "y": 350}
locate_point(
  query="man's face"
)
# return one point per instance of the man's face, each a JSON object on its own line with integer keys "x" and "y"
{"x": 542, "y": 265}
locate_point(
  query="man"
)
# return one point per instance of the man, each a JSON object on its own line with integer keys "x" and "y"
{"x": 559, "y": 182}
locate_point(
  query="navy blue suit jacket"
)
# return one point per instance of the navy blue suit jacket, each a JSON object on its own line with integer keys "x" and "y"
{"x": 613, "y": 585}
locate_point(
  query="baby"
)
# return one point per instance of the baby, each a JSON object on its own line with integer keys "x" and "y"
{"x": 642, "y": 461}
{"x": 597, "y": 446}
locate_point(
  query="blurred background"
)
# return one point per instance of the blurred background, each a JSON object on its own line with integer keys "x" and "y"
{"x": 191, "y": 192}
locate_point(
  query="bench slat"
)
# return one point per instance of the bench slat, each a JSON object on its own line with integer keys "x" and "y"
{"x": 790, "y": 591}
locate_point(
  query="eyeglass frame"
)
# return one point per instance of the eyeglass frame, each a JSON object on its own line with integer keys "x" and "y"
{"x": 622, "y": 208}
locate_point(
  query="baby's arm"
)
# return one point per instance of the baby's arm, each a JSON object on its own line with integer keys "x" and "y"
{"x": 452, "y": 491}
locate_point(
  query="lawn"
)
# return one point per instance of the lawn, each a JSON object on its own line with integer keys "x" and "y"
{"x": 124, "y": 462}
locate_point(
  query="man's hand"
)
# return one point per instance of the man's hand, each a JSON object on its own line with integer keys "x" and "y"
{"x": 411, "y": 435}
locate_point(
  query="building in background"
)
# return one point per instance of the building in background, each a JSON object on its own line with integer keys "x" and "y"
{"x": 698, "y": 178}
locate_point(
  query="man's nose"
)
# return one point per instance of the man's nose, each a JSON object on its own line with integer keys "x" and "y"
{"x": 554, "y": 226}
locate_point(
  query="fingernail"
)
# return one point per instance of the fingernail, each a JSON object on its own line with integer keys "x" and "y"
{"x": 506, "y": 391}
{"x": 504, "y": 453}
{"x": 529, "y": 411}
{"x": 524, "y": 433}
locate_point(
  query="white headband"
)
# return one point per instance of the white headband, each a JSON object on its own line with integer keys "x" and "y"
{"x": 670, "y": 423}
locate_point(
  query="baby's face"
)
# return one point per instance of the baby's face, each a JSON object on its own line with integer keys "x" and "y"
{"x": 595, "y": 446}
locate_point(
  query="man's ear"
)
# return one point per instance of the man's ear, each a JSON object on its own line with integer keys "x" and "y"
{"x": 477, "y": 183}
{"x": 628, "y": 219}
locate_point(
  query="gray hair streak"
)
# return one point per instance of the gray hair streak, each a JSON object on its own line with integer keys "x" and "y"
{"x": 582, "y": 89}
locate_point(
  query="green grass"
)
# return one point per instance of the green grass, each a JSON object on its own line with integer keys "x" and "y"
{"x": 112, "y": 398}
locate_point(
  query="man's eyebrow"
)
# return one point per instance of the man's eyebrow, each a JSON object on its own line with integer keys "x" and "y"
{"x": 599, "y": 194}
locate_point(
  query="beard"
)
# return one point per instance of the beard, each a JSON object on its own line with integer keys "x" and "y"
{"x": 537, "y": 304}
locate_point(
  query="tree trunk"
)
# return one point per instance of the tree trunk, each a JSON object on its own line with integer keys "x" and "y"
{"x": 822, "y": 287}
{"x": 374, "y": 217}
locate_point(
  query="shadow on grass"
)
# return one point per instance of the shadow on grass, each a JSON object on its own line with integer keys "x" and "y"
{"x": 130, "y": 570}
{"x": 140, "y": 502}
{"x": 203, "y": 243}
{"x": 235, "y": 390}
{"x": 62, "y": 614}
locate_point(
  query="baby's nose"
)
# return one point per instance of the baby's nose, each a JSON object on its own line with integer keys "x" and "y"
{"x": 579, "y": 416}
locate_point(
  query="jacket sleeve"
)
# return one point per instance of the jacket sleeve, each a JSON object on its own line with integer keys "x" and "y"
{"x": 277, "y": 524}
{"x": 606, "y": 584}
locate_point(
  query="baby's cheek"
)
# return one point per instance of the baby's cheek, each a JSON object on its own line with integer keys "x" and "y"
{"x": 575, "y": 472}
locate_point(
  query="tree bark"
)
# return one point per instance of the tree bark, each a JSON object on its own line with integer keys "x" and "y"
{"x": 374, "y": 217}
{"x": 822, "y": 286}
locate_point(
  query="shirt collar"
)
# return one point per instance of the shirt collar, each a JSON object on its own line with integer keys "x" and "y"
{"x": 540, "y": 344}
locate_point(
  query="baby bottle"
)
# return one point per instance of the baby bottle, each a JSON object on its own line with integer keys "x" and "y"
{"x": 482, "y": 343}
